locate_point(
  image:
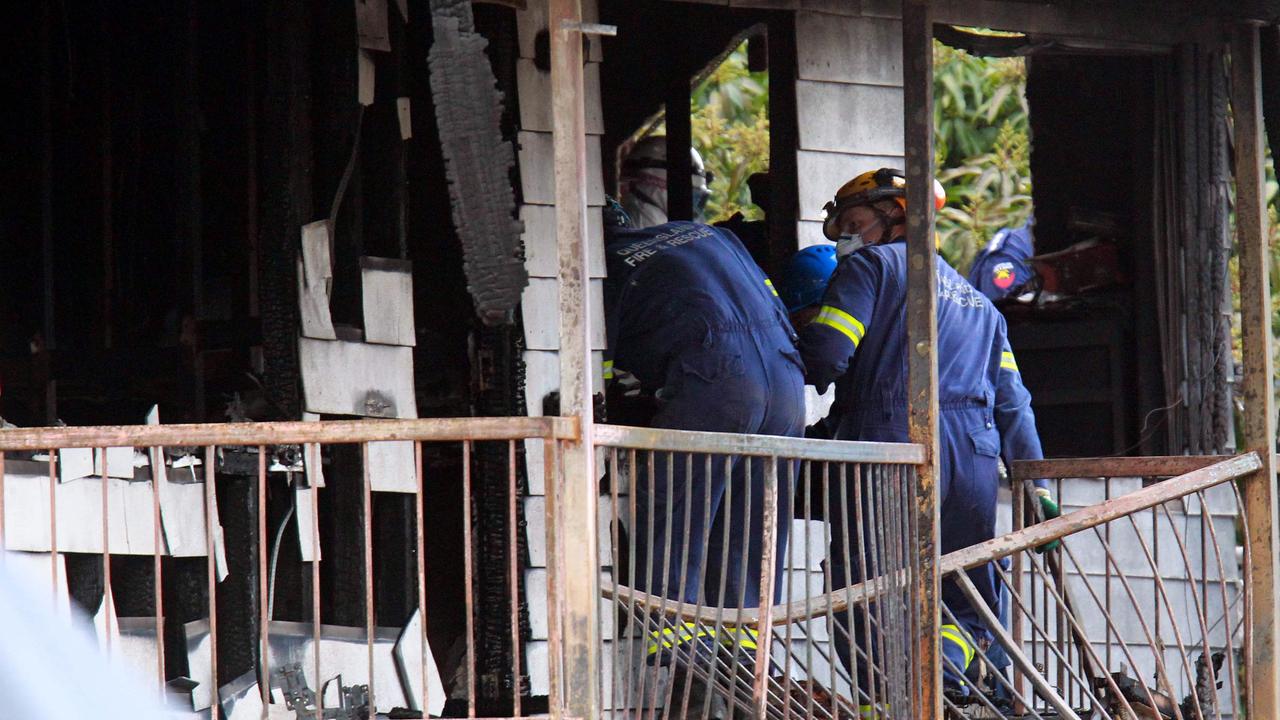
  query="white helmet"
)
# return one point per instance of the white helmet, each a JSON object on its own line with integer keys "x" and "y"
{"x": 643, "y": 183}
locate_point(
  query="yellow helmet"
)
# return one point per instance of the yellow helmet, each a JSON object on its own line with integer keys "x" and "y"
{"x": 868, "y": 188}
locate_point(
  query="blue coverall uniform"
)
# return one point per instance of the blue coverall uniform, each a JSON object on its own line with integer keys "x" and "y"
{"x": 1001, "y": 267}
{"x": 697, "y": 322}
{"x": 858, "y": 341}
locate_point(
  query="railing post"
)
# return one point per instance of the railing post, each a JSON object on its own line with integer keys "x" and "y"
{"x": 575, "y": 509}
{"x": 922, "y": 336}
{"x": 1262, "y": 672}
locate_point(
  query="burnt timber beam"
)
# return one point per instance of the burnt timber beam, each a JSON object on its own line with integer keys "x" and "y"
{"x": 922, "y": 335}
{"x": 1262, "y": 671}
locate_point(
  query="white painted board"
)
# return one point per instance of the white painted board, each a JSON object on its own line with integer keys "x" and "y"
{"x": 79, "y": 513}
{"x": 363, "y": 379}
{"x": 539, "y": 238}
{"x": 857, "y": 119}
{"x": 387, "y": 286}
{"x": 393, "y": 467}
{"x": 537, "y": 169}
{"x": 540, "y": 308}
{"x": 75, "y": 463}
{"x": 315, "y": 278}
{"x": 848, "y": 49}
{"x": 535, "y": 97}
{"x": 305, "y": 510}
{"x": 116, "y": 462}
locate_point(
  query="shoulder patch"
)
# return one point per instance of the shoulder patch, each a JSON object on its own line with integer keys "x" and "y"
{"x": 1003, "y": 275}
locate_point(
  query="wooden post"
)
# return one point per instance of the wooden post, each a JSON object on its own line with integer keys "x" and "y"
{"x": 922, "y": 336}
{"x": 574, "y": 513}
{"x": 1263, "y": 677}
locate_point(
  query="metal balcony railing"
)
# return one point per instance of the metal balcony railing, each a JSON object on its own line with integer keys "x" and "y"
{"x": 741, "y": 575}
{"x": 167, "y": 507}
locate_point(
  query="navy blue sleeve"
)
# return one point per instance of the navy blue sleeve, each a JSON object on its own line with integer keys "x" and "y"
{"x": 827, "y": 344}
{"x": 1014, "y": 417}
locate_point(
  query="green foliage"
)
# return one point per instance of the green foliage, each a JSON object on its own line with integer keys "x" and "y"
{"x": 983, "y": 151}
{"x": 731, "y": 129}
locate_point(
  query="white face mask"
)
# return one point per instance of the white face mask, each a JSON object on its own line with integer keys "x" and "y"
{"x": 847, "y": 244}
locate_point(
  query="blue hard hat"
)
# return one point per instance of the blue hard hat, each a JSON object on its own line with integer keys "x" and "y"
{"x": 805, "y": 276}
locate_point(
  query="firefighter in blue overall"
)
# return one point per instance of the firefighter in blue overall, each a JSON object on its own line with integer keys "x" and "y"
{"x": 1001, "y": 269}
{"x": 696, "y": 321}
{"x": 858, "y": 342}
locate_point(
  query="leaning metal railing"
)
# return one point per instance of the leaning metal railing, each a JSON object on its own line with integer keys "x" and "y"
{"x": 1138, "y": 614}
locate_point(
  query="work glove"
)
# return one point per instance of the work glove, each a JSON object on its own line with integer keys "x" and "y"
{"x": 1049, "y": 508}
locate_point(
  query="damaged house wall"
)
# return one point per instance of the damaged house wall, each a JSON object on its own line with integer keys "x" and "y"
{"x": 185, "y": 152}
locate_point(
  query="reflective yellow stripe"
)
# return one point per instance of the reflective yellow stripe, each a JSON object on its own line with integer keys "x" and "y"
{"x": 847, "y": 324}
{"x": 868, "y": 712}
{"x": 956, "y": 635}
{"x": 743, "y": 637}
{"x": 772, "y": 289}
{"x": 668, "y": 638}
{"x": 1007, "y": 362}
{"x": 608, "y": 369}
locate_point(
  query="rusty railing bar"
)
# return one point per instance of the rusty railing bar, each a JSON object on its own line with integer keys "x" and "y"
{"x": 211, "y": 567}
{"x": 53, "y": 519}
{"x": 421, "y": 572}
{"x": 290, "y": 432}
{"x": 1155, "y": 466}
{"x": 315, "y": 596}
{"x": 108, "y": 602}
{"x": 663, "y": 583}
{"x": 807, "y": 467}
{"x": 469, "y": 587}
{"x": 1012, "y": 648}
{"x": 611, "y": 467}
{"x": 768, "y": 561}
{"x": 832, "y": 655}
{"x": 550, "y": 470}
{"x": 157, "y": 540}
{"x": 756, "y": 445}
{"x": 264, "y": 621}
{"x": 366, "y": 507}
{"x": 745, "y": 522}
{"x": 661, "y": 588}
{"x": 879, "y": 565}
{"x": 633, "y": 485}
